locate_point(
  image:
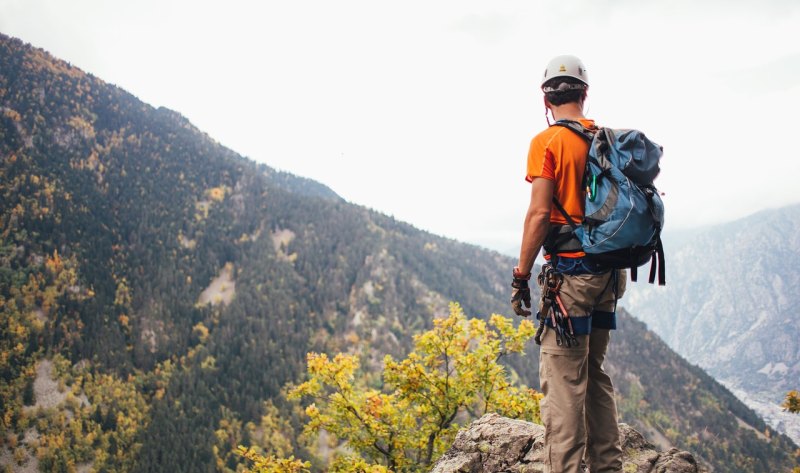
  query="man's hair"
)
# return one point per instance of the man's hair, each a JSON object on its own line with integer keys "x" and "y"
{"x": 561, "y": 90}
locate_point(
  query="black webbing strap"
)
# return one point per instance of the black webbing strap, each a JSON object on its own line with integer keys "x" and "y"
{"x": 658, "y": 260}
{"x": 657, "y": 266}
{"x": 615, "y": 275}
{"x": 565, "y": 214}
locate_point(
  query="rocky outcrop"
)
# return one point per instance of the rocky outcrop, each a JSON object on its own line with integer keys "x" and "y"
{"x": 494, "y": 444}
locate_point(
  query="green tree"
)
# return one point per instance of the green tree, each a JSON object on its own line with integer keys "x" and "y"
{"x": 452, "y": 376}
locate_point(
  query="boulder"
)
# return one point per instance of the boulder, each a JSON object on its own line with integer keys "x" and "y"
{"x": 494, "y": 444}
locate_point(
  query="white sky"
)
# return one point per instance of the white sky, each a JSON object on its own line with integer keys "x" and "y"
{"x": 424, "y": 109}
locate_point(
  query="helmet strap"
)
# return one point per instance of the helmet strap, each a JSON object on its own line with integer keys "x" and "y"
{"x": 546, "y": 113}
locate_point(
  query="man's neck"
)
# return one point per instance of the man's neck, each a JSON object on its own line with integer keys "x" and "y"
{"x": 568, "y": 111}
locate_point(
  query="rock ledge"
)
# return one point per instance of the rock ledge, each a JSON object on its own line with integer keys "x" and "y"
{"x": 494, "y": 444}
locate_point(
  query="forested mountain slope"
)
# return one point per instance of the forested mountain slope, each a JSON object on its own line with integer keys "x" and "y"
{"x": 731, "y": 307}
{"x": 172, "y": 287}
{"x": 675, "y": 403}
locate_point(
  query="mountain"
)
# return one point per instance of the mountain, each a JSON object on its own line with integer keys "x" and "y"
{"x": 677, "y": 404}
{"x": 730, "y": 306}
{"x": 157, "y": 292}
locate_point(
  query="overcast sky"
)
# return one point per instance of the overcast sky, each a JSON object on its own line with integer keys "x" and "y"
{"x": 425, "y": 109}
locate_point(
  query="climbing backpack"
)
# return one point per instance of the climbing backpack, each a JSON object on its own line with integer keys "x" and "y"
{"x": 624, "y": 213}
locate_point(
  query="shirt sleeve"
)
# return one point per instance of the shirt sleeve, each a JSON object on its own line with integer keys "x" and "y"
{"x": 541, "y": 162}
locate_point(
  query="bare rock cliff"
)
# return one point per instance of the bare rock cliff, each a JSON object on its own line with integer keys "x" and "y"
{"x": 494, "y": 444}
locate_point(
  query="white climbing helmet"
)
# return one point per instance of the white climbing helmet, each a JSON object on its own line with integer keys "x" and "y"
{"x": 565, "y": 66}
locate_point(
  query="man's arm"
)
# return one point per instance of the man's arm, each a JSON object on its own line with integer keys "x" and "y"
{"x": 537, "y": 223}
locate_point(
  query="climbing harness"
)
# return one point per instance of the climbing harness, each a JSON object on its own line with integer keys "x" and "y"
{"x": 553, "y": 309}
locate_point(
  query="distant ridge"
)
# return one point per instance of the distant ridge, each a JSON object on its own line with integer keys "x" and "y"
{"x": 731, "y": 307}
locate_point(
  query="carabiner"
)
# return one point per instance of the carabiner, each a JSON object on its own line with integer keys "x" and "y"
{"x": 592, "y": 188}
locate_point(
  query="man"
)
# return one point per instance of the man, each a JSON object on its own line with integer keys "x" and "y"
{"x": 578, "y": 410}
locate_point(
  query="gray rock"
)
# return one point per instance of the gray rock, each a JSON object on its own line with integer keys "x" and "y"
{"x": 494, "y": 444}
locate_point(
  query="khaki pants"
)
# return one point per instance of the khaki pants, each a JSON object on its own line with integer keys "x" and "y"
{"x": 578, "y": 410}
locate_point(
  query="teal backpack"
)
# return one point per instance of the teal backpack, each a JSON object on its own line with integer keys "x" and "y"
{"x": 624, "y": 213}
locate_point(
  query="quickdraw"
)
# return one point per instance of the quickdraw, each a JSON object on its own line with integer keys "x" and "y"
{"x": 553, "y": 309}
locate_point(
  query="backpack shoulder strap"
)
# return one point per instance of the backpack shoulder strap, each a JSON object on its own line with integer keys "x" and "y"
{"x": 578, "y": 128}
{"x": 588, "y": 136}
{"x": 596, "y": 138}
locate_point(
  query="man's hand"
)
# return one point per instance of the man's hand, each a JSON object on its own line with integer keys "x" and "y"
{"x": 520, "y": 293}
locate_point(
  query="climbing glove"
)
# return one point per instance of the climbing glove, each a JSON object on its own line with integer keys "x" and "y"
{"x": 520, "y": 293}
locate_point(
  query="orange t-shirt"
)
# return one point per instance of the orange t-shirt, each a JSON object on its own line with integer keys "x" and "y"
{"x": 559, "y": 154}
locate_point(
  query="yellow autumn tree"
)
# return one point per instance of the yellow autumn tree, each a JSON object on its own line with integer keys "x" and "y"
{"x": 451, "y": 377}
{"x": 792, "y": 402}
{"x": 271, "y": 464}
